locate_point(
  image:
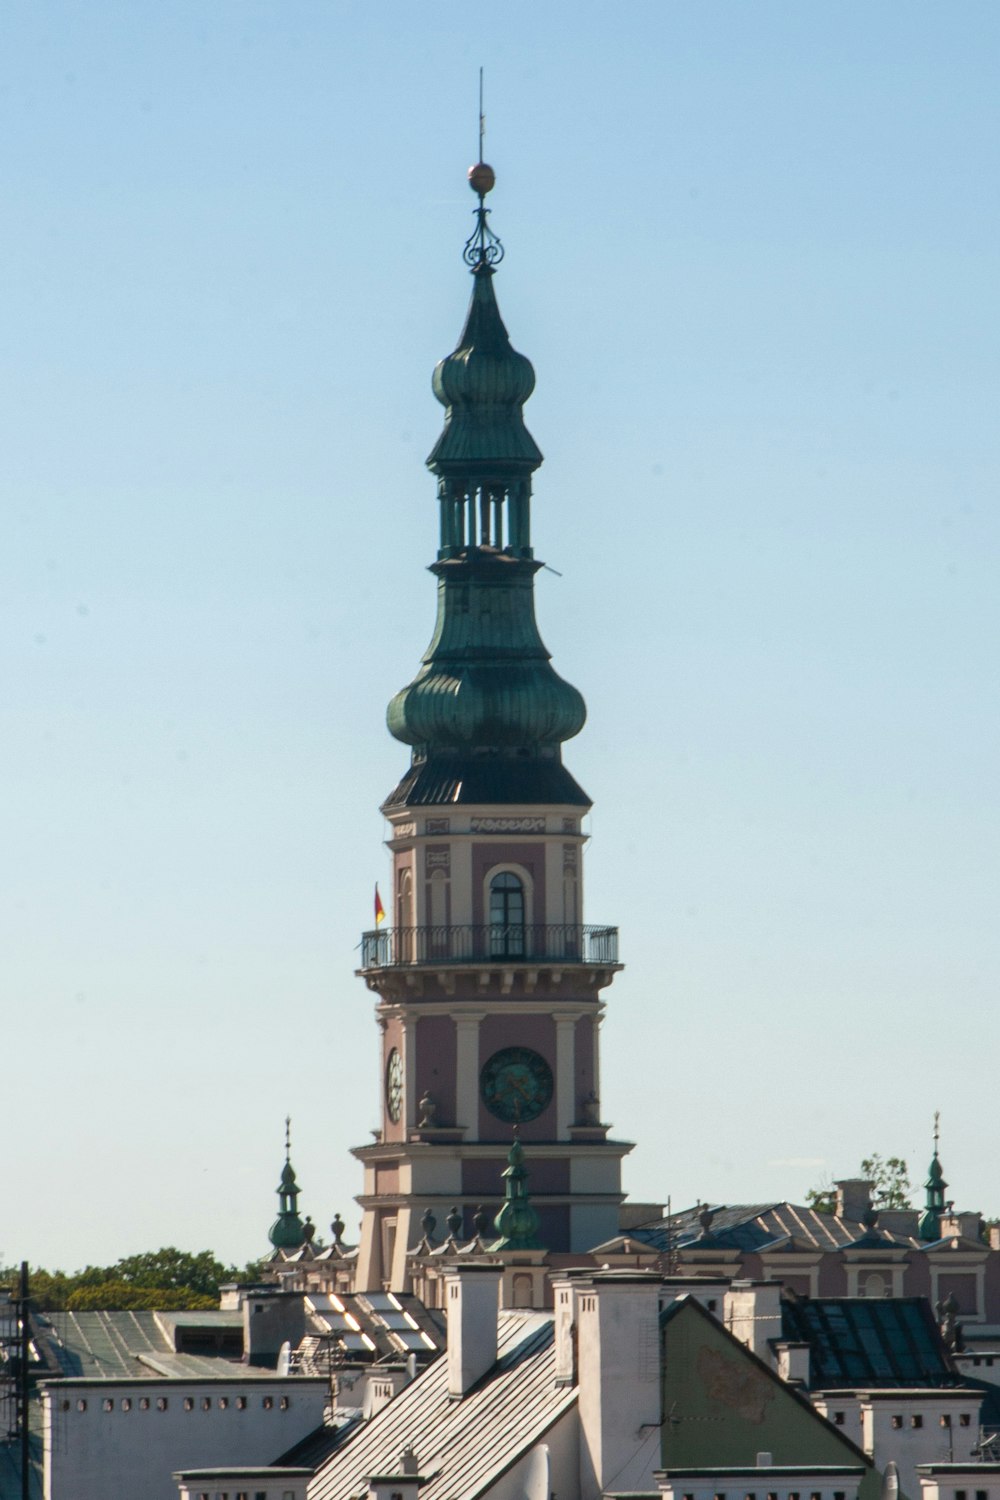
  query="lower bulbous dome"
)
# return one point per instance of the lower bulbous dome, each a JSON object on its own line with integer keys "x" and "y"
{"x": 473, "y": 705}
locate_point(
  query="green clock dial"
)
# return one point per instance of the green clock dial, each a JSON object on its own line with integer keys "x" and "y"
{"x": 394, "y": 1086}
{"x": 516, "y": 1084}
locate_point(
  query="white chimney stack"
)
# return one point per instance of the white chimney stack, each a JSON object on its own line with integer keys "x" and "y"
{"x": 472, "y": 1302}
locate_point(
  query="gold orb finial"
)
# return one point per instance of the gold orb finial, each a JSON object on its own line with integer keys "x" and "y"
{"x": 482, "y": 178}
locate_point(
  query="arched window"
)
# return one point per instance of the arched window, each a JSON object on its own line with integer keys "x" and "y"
{"x": 506, "y": 916}
{"x": 404, "y": 898}
{"x": 521, "y": 1291}
{"x": 875, "y": 1285}
{"x": 405, "y": 947}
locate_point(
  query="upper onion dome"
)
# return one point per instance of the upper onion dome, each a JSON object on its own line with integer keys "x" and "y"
{"x": 483, "y": 385}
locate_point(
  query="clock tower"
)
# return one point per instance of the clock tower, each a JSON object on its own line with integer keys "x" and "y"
{"x": 488, "y": 981}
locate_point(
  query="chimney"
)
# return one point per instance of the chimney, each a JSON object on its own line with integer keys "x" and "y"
{"x": 854, "y": 1198}
{"x": 472, "y": 1301}
{"x": 383, "y": 1383}
{"x": 565, "y": 1304}
{"x": 793, "y": 1362}
{"x": 399, "y": 1480}
{"x": 618, "y": 1365}
{"x": 753, "y": 1314}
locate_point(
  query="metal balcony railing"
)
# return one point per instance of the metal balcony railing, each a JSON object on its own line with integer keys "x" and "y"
{"x": 560, "y": 942}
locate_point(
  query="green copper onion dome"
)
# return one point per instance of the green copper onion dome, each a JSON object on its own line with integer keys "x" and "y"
{"x": 486, "y": 682}
{"x": 486, "y": 714}
{"x": 483, "y": 385}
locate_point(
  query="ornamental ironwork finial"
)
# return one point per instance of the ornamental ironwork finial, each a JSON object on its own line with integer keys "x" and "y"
{"x": 482, "y": 248}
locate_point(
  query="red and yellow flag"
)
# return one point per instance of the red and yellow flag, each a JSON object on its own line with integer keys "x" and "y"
{"x": 379, "y": 908}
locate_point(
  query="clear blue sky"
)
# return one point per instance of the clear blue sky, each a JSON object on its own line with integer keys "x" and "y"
{"x": 752, "y": 251}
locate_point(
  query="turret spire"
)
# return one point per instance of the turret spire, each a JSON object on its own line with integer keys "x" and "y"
{"x": 287, "y": 1231}
{"x": 517, "y": 1221}
{"x": 929, "y": 1223}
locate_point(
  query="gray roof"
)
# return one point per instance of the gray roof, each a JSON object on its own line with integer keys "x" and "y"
{"x": 755, "y": 1227}
{"x": 462, "y": 1446}
{"x": 124, "y": 1345}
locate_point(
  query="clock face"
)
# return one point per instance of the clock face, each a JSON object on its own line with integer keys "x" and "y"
{"x": 516, "y": 1084}
{"x": 394, "y": 1086}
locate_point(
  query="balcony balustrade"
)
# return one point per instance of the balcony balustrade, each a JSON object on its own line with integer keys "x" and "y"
{"x": 485, "y": 943}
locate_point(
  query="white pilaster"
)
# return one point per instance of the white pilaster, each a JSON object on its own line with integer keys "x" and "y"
{"x": 566, "y": 1109}
{"x": 409, "y": 1072}
{"x": 467, "y": 1070}
{"x": 461, "y": 881}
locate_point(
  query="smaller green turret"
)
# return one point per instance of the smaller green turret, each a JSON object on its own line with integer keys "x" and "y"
{"x": 929, "y": 1223}
{"x": 517, "y": 1221}
{"x": 287, "y": 1232}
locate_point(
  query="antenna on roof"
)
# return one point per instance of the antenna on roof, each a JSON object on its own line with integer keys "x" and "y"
{"x": 666, "y": 1261}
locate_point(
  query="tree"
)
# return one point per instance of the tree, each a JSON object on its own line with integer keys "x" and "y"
{"x": 823, "y": 1197}
{"x": 121, "y": 1296}
{"x": 172, "y": 1268}
{"x": 890, "y": 1185}
{"x": 169, "y": 1279}
{"x": 890, "y": 1181}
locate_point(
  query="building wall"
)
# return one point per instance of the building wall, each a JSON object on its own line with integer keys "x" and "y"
{"x": 436, "y": 1063}
{"x": 725, "y": 1408}
{"x": 109, "y": 1439}
{"x": 919, "y": 1429}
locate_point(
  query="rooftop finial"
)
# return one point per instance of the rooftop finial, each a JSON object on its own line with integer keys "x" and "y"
{"x": 482, "y": 117}
{"x": 937, "y": 1130}
{"x": 288, "y": 1137}
{"x": 482, "y": 248}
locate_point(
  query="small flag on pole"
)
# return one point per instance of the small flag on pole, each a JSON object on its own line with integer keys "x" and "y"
{"x": 379, "y": 908}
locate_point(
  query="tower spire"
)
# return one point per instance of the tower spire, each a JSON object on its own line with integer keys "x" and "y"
{"x": 929, "y": 1223}
{"x": 286, "y": 1233}
{"x": 486, "y": 714}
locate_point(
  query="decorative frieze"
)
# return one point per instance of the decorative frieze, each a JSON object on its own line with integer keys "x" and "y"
{"x": 404, "y": 830}
{"x": 508, "y": 825}
{"x": 438, "y": 825}
{"x": 570, "y": 859}
{"x": 437, "y": 859}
